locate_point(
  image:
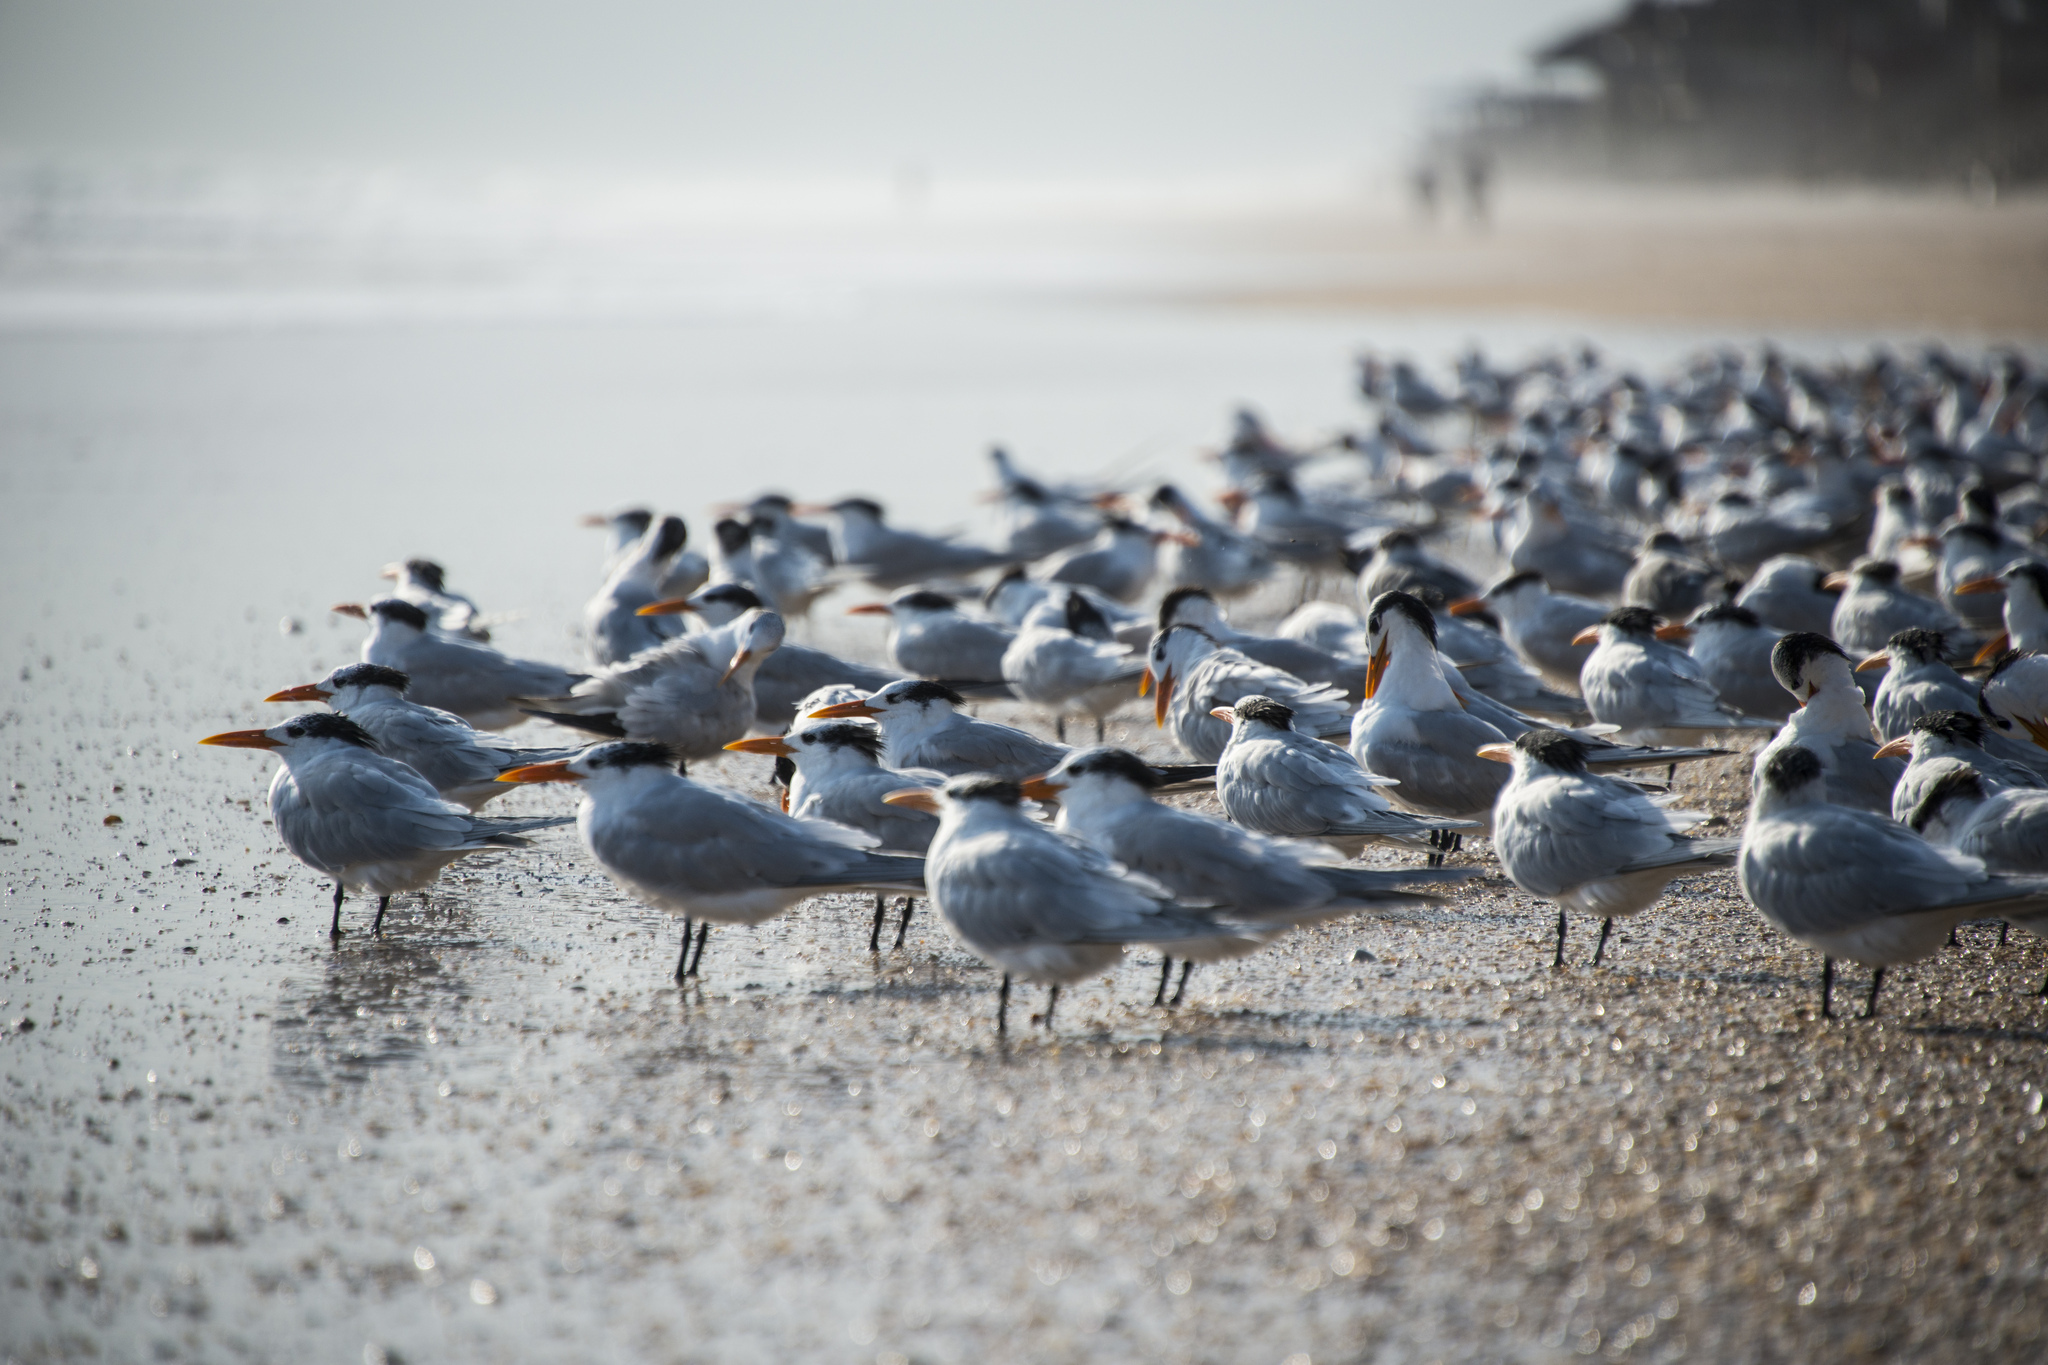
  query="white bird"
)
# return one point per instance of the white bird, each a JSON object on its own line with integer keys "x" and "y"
{"x": 1063, "y": 660}
{"x": 1791, "y": 592}
{"x": 1398, "y": 563}
{"x": 461, "y": 762}
{"x": 1220, "y": 559}
{"x": 1538, "y": 624}
{"x": 694, "y": 694}
{"x": 1593, "y": 844}
{"x": 1940, "y": 743}
{"x": 684, "y": 574}
{"x": 1189, "y": 675}
{"x": 1571, "y": 558}
{"x": 1733, "y": 647}
{"x": 1272, "y": 779}
{"x": 1037, "y": 904}
{"x": 369, "y": 822}
{"x": 1105, "y": 798}
{"x": 1832, "y": 721}
{"x": 707, "y": 854}
{"x": 1312, "y": 663}
{"x": 1874, "y": 607}
{"x": 890, "y": 558}
{"x": 1119, "y": 563}
{"x": 930, "y": 637}
{"x": 423, "y": 583}
{"x": 1012, "y": 597}
{"x": 1667, "y": 578}
{"x": 1412, "y": 727}
{"x": 1035, "y": 519}
{"x": 2025, "y": 586}
{"x": 473, "y": 680}
{"x": 792, "y": 672}
{"x": 1858, "y": 885}
{"x": 1917, "y": 681}
{"x": 614, "y": 627}
{"x": 2015, "y": 697}
{"x": 1653, "y": 692}
{"x": 787, "y": 571}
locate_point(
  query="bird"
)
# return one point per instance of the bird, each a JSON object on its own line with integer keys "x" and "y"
{"x": 473, "y": 680}
{"x": 694, "y": 694}
{"x": 1105, "y": 796}
{"x": 1398, "y": 563}
{"x": 922, "y": 728}
{"x": 1970, "y": 551}
{"x": 1412, "y": 727}
{"x": 1858, "y": 885}
{"x": 1272, "y": 779}
{"x": 622, "y": 531}
{"x": 1917, "y": 680}
{"x": 1874, "y": 607}
{"x": 1212, "y": 556}
{"x": 1791, "y": 592}
{"x": 1572, "y": 559}
{"x": 930, "y": 637}
{"x": 1037, "y": 520}
{"x": 786, "y": 676}
{"x": 423, "y": 583}
{"x": 780, "y": 510}
{"x": 1189, "y": 675}
{"x": 1485, "y": 664}
{"x": 614, "y": 627}
{"x": 1037, "y": 904}
{"x": 1064, "y": 660}
{"x": 1595, "y": 845}
{"x": 1832, "y": 722}
{"x": 1118, "y": 563}
{"x": 1305, "y": 660}
{"x": 1939, "y": 743}
{"x": 1667, "y": 578}
{"x": 1654, "y": 692}
{"x": 2014, "y": 697}
{"x": 460, "y": 761}
{"x": 1538, "y": 624}
{"x": 890, "y": 558}
{"x": 1740, "y": 533}
{"x": 2025, "y": 612}
{"x": 711, "y": 856}
{"x": 787, "y": 570}
{"x": 1733, "y": 649}
{"x": 364, "y": 820}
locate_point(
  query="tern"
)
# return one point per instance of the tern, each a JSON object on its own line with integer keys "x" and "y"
{"x": 2015, "y": 697}
{"x": 1654, "y": 692}
{"x": 1037, "y": 904}
{"x": 1595, "y": 845}
{"x": 1220, "y": 559}
{"x": 1917, "y": 681}
{"x": 368, "y": 822}
{"x": 1305, "y": 660}
{"x": 1832, "y": 722}
{"x": 694, "y": 694}
{"x": 1571, "y": 558}
{"x": 1036, "y": 520}
{"x": 2025, "y": 618}
{"x": 1874, "y": 607}
{"x": 1858, "y": 885}
{"x": 1937, "y": 745}
{"x": 1400, "y": 564}
{"x": 1119, "y": 563}
{"x": 889, "y": 558}
{"x": 1012, "y": 597}
{"x": 930, "y": 637}
{"x": 613, "y": 625}
{"x": 423, "y": 583}
{"x": 705, "y": 854}
{"x": 786, "y": 676}
{"x": 1733, "y": 649}
{"x": 1538, "y": 624}
{"x": 1272, "y": 779}
{"x": 1064, "y": 660}
{"x": 1791, "y": 592}
{"x": 1189, "y": 675}
{"x": 1667, "y": 578}
{"x": 473, "y": 680}
{"x": 1105, "y": 798}
{"x": 461, "y": 762}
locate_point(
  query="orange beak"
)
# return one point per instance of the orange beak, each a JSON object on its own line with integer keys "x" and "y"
{"x": 1224, "y": 713}
{"x": 557, "y": 771}
{"x": 1674, "y": 633}
{"x": 307, "y": 692}
{"x": 1161, "y": 696}
{"x": 1996, "y": 646}
{"x": 243, "y": 739}
{"x": 1467, "y": 606}
{"x": 772, "y": 745}
{"x": 1923, "y": 542}
{"x": 843, "y": 710}
{"x": 1977, "y": 585}
{"x": 870, "y": 609}
{"x": 355, "y": 609}
{"x": 916, "y": 798}
{"x": 1835, "y": 582}
{"x": 734, "y": 666}
{"x": 1589, "y": 636}
{"x": 1145, "y": 682}
{"x": 671, "y": 607}
{"x": 1877, "y": 660}
{"x": 1499, "y": 753}
{"x": 1376, "y": 667}
{"x": 1898, "y": 748}
{"x": 1038, "y": 789}
{"x": 593, "y": 519}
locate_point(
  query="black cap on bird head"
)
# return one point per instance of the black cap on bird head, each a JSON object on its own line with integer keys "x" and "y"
{"x": 1793, "y": 652}
{"x": 370, "y": 675}
{"x": 670, "y": 540}
{"x": 1165, "y": 496}
{"x": 632, "y": 753}
{"x": 1956, "y": 726}
{"x": 1514, "y": 582}
{"x": 1730, "y": 613}
{"x": 1633, "y": 620}
{"x": 1169, "y": 606}
{"x": 1085, "y": 619}
{"x": 405, "y": 613}
{"x": 1553, "y": 748}
{"x": 924, "y": 690}
{"x": 866, "y": 507}
{"x": 1876, "y": 570}
{"x": 985, "y": 787}
{"x": 635, "y": 519}
{"x": 733, "y": 536}
{"x": 842, "y": 734}
{"x": 1792, "y": 768}
{"x": 738, "y": 596}
{"x": 1917, "y": 643}
{"x": 426, "y": 572}
{"x": 1669, "y": 542}
{"x": 1266, "y": 711}
{"x": 924, "y": 600}
{"x": 329, "y": 725}
{"x": 1110, "y": 761}
{"x": 1401, "y": 604}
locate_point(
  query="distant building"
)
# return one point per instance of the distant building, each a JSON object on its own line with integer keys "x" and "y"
{"x": 1913, "y": 90}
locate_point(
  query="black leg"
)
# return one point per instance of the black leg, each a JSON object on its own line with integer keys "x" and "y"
{"x": 683, "y": 960}
{"x": 334, "y": 929}
{"x": 1101, "y": 732}
{"x": 875, "y": 934}
{"x": 1059, "y": 727}
{"x": 1827, "y": 986}
{"x": 697, "y": 962}
{"x": 1558, "y": 961}
{"x": 1165, "y": 975}
{"x": 1182, "y": 989}
{"x": 1606, "y": 928}
{"x": 1953, "y": 941}
{"x": 2043, "y": 992}
{"x": 2004, "y": 928}
{"x": 1457, "y": 843}
{"x": 903, "y": 924}
{"x": 1052, "y": 1000}
{"x": 1435, "y": 858}
{"x": 1003, "y": 1006}
{"x": 1670, "y": 773}
{"x": 377, "y": 925}
{"x": 1870, "y": 1001}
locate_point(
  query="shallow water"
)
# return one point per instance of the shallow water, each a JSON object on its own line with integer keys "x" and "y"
{"x": 500, "y": 1133}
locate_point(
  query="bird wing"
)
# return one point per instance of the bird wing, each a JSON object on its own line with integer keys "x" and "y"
{"x": 717, "y": 844}
{"x": 1557, "y": 831}
{"x": 1828, "y": 868}
{"x": 1435, "y": 757}
{"x": 1014, "y": 887}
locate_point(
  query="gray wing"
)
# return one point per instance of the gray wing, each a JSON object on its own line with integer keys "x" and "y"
{"x": 793, "y": 672}
{"x": 1436, "y": 761}
{"x": 1834, "y": 868}
{"x": 368, "y": 809}
{"x": 2009, "y": 832}
{"x": 721, "y": 845}
{"x": 1559, "y": 831}
{"x": 1011, "y": 888}
{"x": 982, "y": 746}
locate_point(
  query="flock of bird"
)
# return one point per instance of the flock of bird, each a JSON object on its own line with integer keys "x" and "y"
{"x": 1848, "y": 563}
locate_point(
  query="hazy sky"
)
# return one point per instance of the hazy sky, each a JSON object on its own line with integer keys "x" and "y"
{"x": 1039, "y": 88}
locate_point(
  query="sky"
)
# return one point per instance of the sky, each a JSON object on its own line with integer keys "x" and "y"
{"x": 761, "y": 89}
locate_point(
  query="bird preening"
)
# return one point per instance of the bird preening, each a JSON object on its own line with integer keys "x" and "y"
{"x": 1483, "y": 632}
